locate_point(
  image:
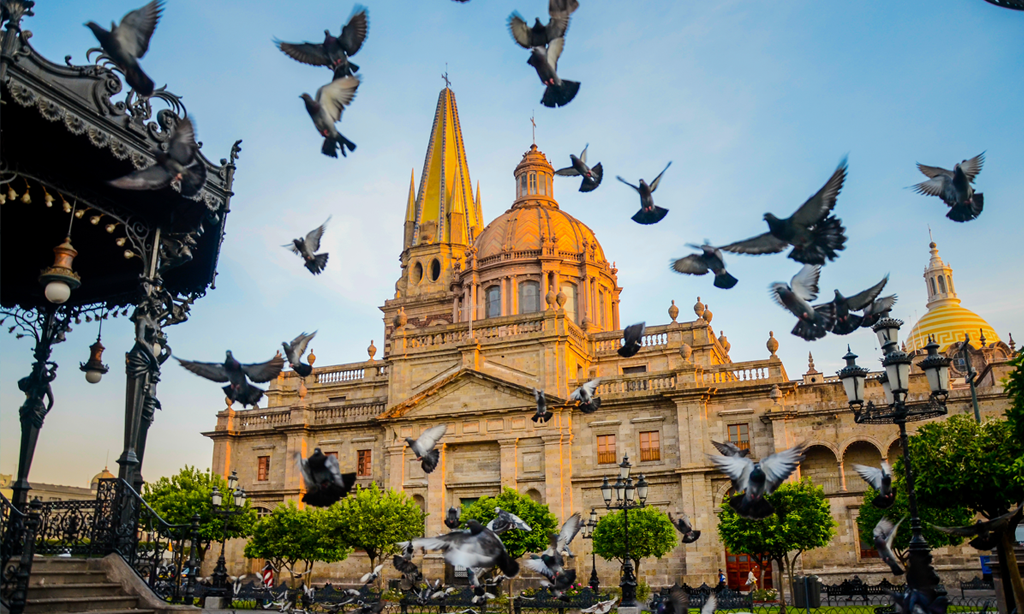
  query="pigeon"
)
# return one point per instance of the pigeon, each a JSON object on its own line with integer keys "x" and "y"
{"x": 814, "y": 322}
{"x": 847, "y": 322}
{"x": 325, "y": 483}
{"x": 883, "y": 534}
{"x": 306, "y": 247}
{"x": 881, "y": 480}
{"x": 815, "y": 235}
{"x": 591, "y": 175}
{"x": 374, "y": 607}
{"x": 758, "y": 479}
{"x": 915, "y": 601}
{"x": 730, "y": 449}
{"x": 424, "y": 449}
{"x": 570, "y": 528}
{"x": 371, "y": 576}
{"x": 543, "y": 413}
{"x": 878, "y": 309}
{"x": 601, "y": 607}
{"x": 954, "y": 188}
{"x": 556, "y": 580}
{"x": 478, "y": 548}
{"x": 559, "y": 92}
{"x": 293, "y": 351}
{"x": 710, "y": 259}
{"x": 987, "y": 531}
{"x": 678, "y": 602}
{"x": 649, "y": 213}
{"x": 684, "y": 526}
{"x": 238, "y": 375}
{"x": 411, "y": 575}
{"x": 584, "y": 396}
{"x": 326, "y": 110}
{"x": 181, "y": 163}
{"x": 632, "y": 340}
{"x": 538, "y": 35}
{"x": 505, "y": 521}
{"x": 334, "y": 52}
{"x": 125, "y": 44}
{"x": 453, "y": 518}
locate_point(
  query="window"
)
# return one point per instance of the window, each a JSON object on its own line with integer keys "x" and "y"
{"x": 605, "y": 449}
{"x": 435, "y": 270}
{"x": 522, "y": 185}
{"x": 934, "y": 291}
{"x": 493, "y": 302}
{"x": 334, "y": 454}
{"x": 263, "y": 469}
{"x": 637, "y": 369}
{"x": 529, "y": 297}
{"x": 543, "y": 183}
{"x": 942, "y": 283}
{"x": 650, "y": 446}
{"x": 604, "y": 319}
{"x": 867, "y": 545}
{"x": 570, "y": 302}
{"x": 533, "y": 183}
{"x": 363, "y": 466}
{"x": 417, "y": 273}
{"x": 739, "y": 434}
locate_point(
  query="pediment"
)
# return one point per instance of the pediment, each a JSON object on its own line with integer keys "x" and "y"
{"x": 467, "y": 392}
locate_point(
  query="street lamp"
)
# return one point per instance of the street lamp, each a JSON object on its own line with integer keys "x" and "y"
{"x": 896, "y": 410}
{"x": 588, "y": 533}
{"x": 235, "y": 505}
{"x": 626, "y": 495}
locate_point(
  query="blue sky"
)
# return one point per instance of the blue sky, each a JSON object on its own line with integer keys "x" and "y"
{"x": 754, "y": 102}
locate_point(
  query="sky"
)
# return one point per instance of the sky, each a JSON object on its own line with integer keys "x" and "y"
{"x": 755, "y": 102}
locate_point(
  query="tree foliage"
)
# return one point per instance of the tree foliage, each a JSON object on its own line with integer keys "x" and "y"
{"x": 1013, "y": 385}
{"x": 288, "y": 536}
{"x": 375, "y": 520}
{"x": 870, "y": 515}
{"x": 179, "y": 497}
{"x": 651, "y": 534}
{"x": 517, "y": 543}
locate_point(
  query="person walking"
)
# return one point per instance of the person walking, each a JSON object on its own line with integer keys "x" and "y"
{"x": 752, "y": 580}
{"x": 721, "y": 578}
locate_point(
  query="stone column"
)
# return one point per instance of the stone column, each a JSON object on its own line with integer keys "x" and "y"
{"x": 583, "y": 293}
{"x": 509, "y": 462}
{"x": 842, "y": 476}
{"x": 504, "y": 296}
{"x": 615, "y": 312}
{"x": 514, "y": 296}
{"x": 472, "y": 315}
{"x": 455, "y": 310}
{"x": 557, "y": 490}
{"x": 396, "y": 467}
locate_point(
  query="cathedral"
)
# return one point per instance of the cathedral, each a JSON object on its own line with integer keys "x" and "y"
{"x": 484, "y": 313}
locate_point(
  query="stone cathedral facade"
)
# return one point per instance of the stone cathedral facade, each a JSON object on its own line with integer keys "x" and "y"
{"x": 482, "y": 314}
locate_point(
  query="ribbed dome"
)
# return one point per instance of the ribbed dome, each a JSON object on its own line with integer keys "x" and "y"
{"x": 948, "y": 323}
{"x": 102, "y": 475}
{"x": 529, "y": 230}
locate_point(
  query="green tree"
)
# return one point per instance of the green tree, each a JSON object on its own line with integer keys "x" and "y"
{"x": 1013, "y": 385}
{"x": 651, "y": 534}
{"x": 802, "y": 521}
{"x": 870, "y": 515}
{"x": 375, "y": 520}
{"x": 289, "y": 536}
{"x": 537, "y": 515}
{"x": 177, "y": 498}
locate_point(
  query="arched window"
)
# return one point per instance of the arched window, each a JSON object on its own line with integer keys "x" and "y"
{"x": 570, "y": 302}
{"x": 543, "y": 183}
{"x": 522, "y": 185}
{"x": 942, "y": 284}
{"x": 533, "y": 183}
{"x": 934, "y": 291}
{"x": 604, "y": 315}
{"x": 529, "y": 297}
{"x": 949, "y": 283}
{"x": 493, "y": 301}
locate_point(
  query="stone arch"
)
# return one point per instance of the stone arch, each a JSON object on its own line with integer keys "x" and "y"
{"x": 421, "y": 502}
{"x": 845, "y": 446}
{"x": 860, "y": 452}
{"x": 535, "y": 495}
{"x": 722, "y": 492}
{"x": 894, "y": 451}
{"x": 821, "y": 465}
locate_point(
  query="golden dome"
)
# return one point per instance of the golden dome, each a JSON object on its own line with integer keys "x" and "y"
{"x": 102, "y": 475}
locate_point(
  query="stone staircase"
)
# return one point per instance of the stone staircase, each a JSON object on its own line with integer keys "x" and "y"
{"x": 74, "y": 585}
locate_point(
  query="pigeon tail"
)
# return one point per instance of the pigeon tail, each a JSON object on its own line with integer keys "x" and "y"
{"x": 630, "y": 350}
{"x": 325, "y": 496}
{"x": 725, "y": 281}
{"x": 884, "y": 502}
{"x": 138, "y": 80}
{"x": 590, "y": 183}
{"x": 542, "y": 417}
{"x": 508, "y": 565}
{"x": 591, "y": 407}
{"x": 560, "y": 95}
{"x": 852, "y": 323}
{"x": 193, "y": 179}
{"x": 650, "y": 216}
{"x": 691, "y": 537}
{"x": 250, "y": 395}
{"x": 753, "y": 509}
{"x": 345, "y": 69}
{"x": 429, "y": 462}
{"x": 968, "y": 211}
{"x": 827, "y": 238}
{"x": 303, "y": 369}
{"x": 316, "y": 266}
{"x": 809, "y": 331}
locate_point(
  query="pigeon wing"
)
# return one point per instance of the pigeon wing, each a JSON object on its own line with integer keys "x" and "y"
{"x": 307, "y": 475}
{"x": 313, "y": 238}
{"x": 137, "y": 28}
{"x": 679, "y": 600}
{"x": 967, "y": 531}
{"x": 557, "y": 26}
{"x": 933, "y": 171}
{"x": 657, "y": 180}
{"x": 152, "y": 178}
{"x": 183, "y": 145}
{"x": 354, "y": 32}
{"x": 761, "y": 244}
{"x": 692, "y": 265}
{"x": 569, "y": 530}
{"x": 819, "y": 205}
{"x": 881, "y": 305}
{"x": 871, "y": 475}
{"x": 430, "y": 437}
{"x": 778, "y": 466}
{"x": 583, "y": 154}
{"x": 805, "y": 282}
{"x": 972, "y": 167}
{"x": 210, "y": 370}
{"x": 567, "y": 172}
{"x": 519, "y": 30}
{"x": 555, "y": 51}
{"x": 636, "y": 188}
{"x": 539, "y": 566}
{"x": 737, "y": 468}
{"x": 332, "y": 466}
{"x": 861, "y": 300}
{"x": 264, "y": 371}
{"x": 710, "y": 605}
{"x": 727, "y": 448}
{"x": 312, "y": 54}
{"x": 292, "y": 247}
{"x": 337, "y": 95}
{"x": 933, "y": 187}
{"x": 299, "y": 344}
{"x": 591, "y": 387}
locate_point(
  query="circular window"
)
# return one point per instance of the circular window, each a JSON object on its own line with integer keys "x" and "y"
{"x": 435, "y": 270}
{"x": 417, "y": 273}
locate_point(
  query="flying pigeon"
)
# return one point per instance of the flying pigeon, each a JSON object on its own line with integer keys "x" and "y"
{"x": 293, "y": 351}
{"x": 543, "y": 413}
{"x": 878, "y": 309}
{"x": 684, "y": 526}
{"x": 591, "y": 175}
{"x": 954, "y": 188}
{"x": 730, "y": 449}
{"x": 559, "y": 92}
{"x": 649, "y": 213}
{"x": 570, "y": 528}
{"x": 556, "y": 579}
{"x": 758, "y": 479}
{"x": 847, "y": 322}
{"x": 453, "y": 518}
{"x": 478, "y": 548}
{"x": 584, "y": 396}
{"x": 411, "y": 575}
{"x": 181, "y": 163}
{"x": 424, "y": 449}
{"x": 326, "y": 110}
{"x": 373, "y": 607}
{"x": 883, "y": 534}
{"x": 127, "y": 43}
{"x": 334, "y": 52}
{"x": 238, "y": 375}
{"x": 814, "y": 322}
{"x": 632, "y": 340}
{"x": 678, "y": 602}
{"x": 306, "y": 247}
{"x": 373, "y": 575}
{"x": 325, "y": 483}
{"x": 881, "y": 480}
{"x": 601, "y": 607}
{"x": 987, "y": 530}
{"x": 815, "y": 235}
{"x": 505, "y": 521}
{"x": 710, "y": 259}
{"x": 538, "y": 35}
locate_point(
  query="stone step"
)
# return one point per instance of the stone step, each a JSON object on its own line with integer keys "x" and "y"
{"x": 81, "y": 604}
{"x": 132, "y": 611}
{"x": 50, "y": 576}
{"x": 54, "y": 563}
{"x": 84, "y": 589}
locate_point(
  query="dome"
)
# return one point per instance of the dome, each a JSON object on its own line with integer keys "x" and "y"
{"x": 102, "y": 475}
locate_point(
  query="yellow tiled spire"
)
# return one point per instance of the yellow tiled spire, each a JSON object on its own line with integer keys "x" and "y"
{"x": 410, "y": 211}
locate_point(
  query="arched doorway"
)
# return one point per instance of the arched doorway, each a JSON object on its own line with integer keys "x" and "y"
{"x": 859, "y": 453}
{"x": 738, "y": 567}
{"x": 822, "y": 467}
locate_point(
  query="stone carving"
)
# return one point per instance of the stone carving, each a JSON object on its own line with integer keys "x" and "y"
{"x": 772, "y": 344}
{"x": 673, "y": 311}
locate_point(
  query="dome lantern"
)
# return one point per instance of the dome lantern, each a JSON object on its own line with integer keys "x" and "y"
{"x": 534, "y": 178}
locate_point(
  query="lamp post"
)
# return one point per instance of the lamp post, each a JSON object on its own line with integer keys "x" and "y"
{"x": 588, "y": 533}
{"x": 896, "y": 410}
{"x": 220, "y": 572}
{"x": 627, "y": 496}
{"x": 971, "y": 376}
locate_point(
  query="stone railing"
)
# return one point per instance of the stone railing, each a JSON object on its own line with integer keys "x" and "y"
{"x": 258, "y": 419}
{"x": 735, "y": 372}
{"x": 609, "y": 343}
{"x": 638, "y": 382}
{"x": 510, "y": 255}
{"x": 350, "y": 372}
{"x": 487, "y": 330}
{"x": 576, "y": 334}
{"x": 345, "y": 413}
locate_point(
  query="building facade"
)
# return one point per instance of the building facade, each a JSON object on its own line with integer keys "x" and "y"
{"x": 483, "y": 314}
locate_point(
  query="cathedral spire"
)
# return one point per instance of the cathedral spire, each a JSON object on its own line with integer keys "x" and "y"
{"x": 410, "y": 211}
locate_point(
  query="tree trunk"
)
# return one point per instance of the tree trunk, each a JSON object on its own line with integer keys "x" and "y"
{"x": 1012, "y": 574}
{"x": 782, "y": 593}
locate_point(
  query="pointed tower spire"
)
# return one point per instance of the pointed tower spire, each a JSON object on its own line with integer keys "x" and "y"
{"x": 455, "y": 226}
{"x": 410, "y": 211}
{"x": 938, "y": 278}
{"x": 477, "y": 204}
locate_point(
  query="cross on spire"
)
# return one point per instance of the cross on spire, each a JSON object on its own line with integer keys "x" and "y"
{"x": 447, "y": 83}
{"x": 534, "y": 128}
